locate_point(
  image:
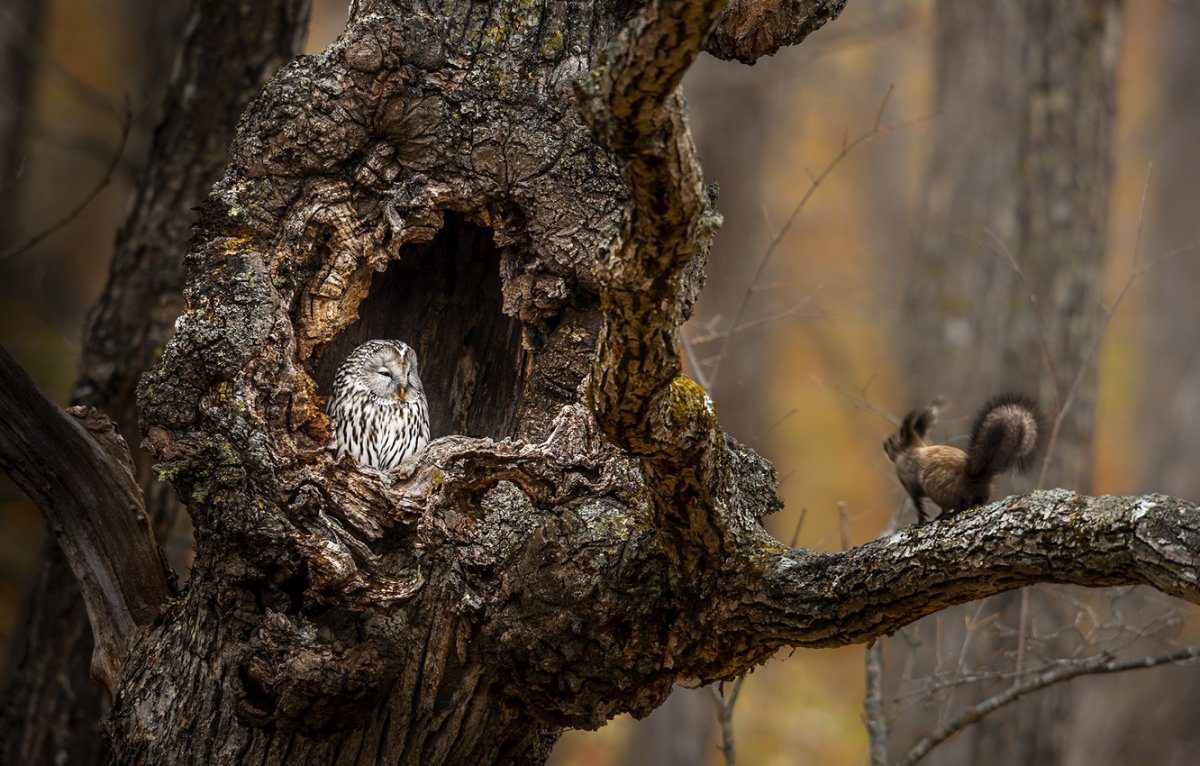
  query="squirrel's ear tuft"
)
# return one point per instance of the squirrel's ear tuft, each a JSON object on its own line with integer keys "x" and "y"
{"x": 924, "y": 420}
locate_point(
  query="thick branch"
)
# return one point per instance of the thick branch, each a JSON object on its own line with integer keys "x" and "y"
{"x": 819, "y": 600}
{"x": 77, "y": 469}
{"x": 633, "y": 107}
{"x": 750, "y": 29}
{"x": 637, "y": 75}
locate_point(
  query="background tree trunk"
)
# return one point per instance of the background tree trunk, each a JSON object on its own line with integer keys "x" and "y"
{"x": 228, "y": 51}
{"x": 1165, "y": 701}
{"x": 1021, "y": 164}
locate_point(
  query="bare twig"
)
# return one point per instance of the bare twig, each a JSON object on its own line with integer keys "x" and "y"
{"x": 873, "y": 714}
{"x": 859, "y": 400}
{"x": 799, "y": 524}
{"x": 113, "y": 164}
{"x": 873, "y": 705}
{"x": 791, "y": 311}
{"x": 1022, "y": 628}
{"x": 845, "y": 535}
{"x": 878, "y": 129}
{"x": 1103, "y": 663}
{"x": 689, "y": 351}
{"x": 725, "y": 717}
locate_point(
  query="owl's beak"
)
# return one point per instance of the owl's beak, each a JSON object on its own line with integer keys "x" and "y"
{"x": 400, "y": 395}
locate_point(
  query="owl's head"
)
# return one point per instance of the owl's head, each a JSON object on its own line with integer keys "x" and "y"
{"x": 386, "y": 368}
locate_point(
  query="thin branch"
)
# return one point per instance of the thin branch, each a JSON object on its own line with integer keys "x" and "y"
{"x": 78, "y": 471}
{"x": 1022, "y": 630}
{"x": 859, "y": 400}
{"x": 873, "y": 714}
{"x": 799, "y": 524}
{"x": 724, "y": 712}
{"x": 842, "y": 531}
{"x": 791, "y": 311}
{"x": 780, "y": 421}
{"x": 1103, "y": 663}
{"x": 113, "y": 164}
{"x": 689, "y": 351}
{"x": 873, "y": 705}
{"x": 848, "y": 147}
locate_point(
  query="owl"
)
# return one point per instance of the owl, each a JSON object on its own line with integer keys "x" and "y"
{"x": 378, "y": 405}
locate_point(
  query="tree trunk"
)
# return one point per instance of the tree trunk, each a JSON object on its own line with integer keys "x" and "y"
{"x": 1021, "y": 165}
{"x": 228, "y": 51}
{"x": 1165, "y": 702}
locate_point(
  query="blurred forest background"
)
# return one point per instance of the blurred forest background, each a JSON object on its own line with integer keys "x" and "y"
{"x": 852, "y": 311}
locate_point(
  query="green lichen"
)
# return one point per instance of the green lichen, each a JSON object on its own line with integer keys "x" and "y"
{"x": 233, "y": 245}
{"x": 552, "y": 46}
{"x": 689, "y": 403}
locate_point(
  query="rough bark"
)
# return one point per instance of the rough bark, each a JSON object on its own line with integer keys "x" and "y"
{"x": 228, "y": 51}
{"x": 750, "y": 29}
{"x": 1021, "y": 163}
{"x": 731, "y": 133}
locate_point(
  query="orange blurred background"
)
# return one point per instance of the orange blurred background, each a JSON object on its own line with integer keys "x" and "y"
{"x": 759, "y": 129}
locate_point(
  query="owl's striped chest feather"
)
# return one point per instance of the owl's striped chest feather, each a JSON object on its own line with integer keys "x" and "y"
{"x": 378, "y": 407}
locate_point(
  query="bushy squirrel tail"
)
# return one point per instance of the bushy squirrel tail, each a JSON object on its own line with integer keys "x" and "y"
{"x": 1008, "y": 432}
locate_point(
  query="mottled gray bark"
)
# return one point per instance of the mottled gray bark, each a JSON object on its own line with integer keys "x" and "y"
{"x": 1021, "y": 164}
{"x": 228, "y": 50}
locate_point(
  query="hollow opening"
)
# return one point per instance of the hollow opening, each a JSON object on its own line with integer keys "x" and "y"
{"x": 443, "y": 299}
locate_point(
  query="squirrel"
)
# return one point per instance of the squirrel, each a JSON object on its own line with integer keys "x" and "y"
{"x": 1008, "y": 432}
